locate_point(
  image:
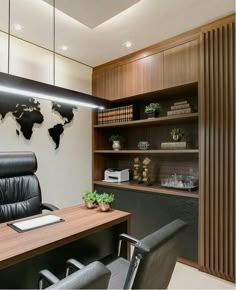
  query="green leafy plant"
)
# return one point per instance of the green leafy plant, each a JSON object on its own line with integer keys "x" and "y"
{"x": 116, "y": 138}
{"x": 177, "y": 132}
{"x": 152, "y": 107}
{"x": 89, "y": 196}
{"x": 105, "y": 198}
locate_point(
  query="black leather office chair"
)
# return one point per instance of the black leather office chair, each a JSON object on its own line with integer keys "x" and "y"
{"x": 20, "y": 194}
{"x": 93, "y": 276}
{"x": 152, "y": 262}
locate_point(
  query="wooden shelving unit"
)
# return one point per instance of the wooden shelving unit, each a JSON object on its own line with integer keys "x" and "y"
{"x": 153, "y": 188}
{"x": 154, "y": 121}
{"x": 164, "y": 163}
{"x": 147, "y": 152}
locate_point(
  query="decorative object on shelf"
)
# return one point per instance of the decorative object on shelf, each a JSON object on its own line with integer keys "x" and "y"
{"x": 143, "y": 145}
{"x": 116, "y": 175}
{"x": 177, "y": 133}
{"x": 181, "y": 145}
{"x": 89, "y": 199}
{"x": 137, "y": 177}
{"x": 104, "y": 200}
{"x": 180, "y": 108}
{"x": 189, "y": 182}
{"x": 152, "y": 110}
{"x": 117, "y": 141}
{"x": 116, "y": 115}
{"x": 146, "y": 172}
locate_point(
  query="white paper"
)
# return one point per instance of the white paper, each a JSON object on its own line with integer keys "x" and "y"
{"x": 36, "y": 222}
{"x": 111, "y": 180}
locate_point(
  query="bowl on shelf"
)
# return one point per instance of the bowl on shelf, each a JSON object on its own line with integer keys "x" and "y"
{"x": 143, "y": 145}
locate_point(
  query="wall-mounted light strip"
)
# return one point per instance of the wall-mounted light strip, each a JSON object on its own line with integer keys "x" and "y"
{"x": 32, "y": 94}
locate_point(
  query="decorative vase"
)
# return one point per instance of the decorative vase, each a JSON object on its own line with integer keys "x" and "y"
{"x": 104, "y": 206}
{"x": 176, "y": 137}
{"x": 116, "y": 145}
{"x": 152, "y": 114}
{"x": 89, "y": 204}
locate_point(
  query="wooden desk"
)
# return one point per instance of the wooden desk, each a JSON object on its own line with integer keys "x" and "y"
{"x": 79, "y": 222}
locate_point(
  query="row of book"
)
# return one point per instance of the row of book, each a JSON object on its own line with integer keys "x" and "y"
{"x": 116, "y": 115}
{"x": 180, "y": 108}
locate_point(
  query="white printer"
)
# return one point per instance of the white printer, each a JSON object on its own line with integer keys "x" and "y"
{"x": 116, "y": 175}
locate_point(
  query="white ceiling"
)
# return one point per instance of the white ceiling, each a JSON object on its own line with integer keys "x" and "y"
{"x": 145, "y": 23}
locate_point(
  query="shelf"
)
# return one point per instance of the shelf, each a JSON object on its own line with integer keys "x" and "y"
{"x": 154, "y": 121}
{"x": 154, "y": 188}
{"x": 185, "y": 151}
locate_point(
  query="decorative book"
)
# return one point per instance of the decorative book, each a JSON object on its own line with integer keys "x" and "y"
{"x": 175, "y": 145}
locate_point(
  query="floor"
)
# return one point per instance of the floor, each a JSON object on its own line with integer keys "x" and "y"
{"x": 185, "y": 277}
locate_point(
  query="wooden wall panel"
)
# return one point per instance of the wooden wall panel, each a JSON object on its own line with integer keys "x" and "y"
{"x": 217, "y": 157}
{"x": 181, "y": 64}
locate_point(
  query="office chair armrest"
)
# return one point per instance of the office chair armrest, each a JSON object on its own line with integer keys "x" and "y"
{"x": 46, "y": 275}
{"x": 126, "y": 238}
{"x": 73, "y": 264}
{"x": 48, "y": 206}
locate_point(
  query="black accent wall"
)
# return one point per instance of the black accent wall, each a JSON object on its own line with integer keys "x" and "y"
{"x": 151, "y": 211}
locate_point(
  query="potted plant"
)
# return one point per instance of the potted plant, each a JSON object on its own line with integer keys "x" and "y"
{"x": 152, "y": 110}
{"x": 90, "y": 199}
{"x": 117, "y": 141}
{"x": 104, "y": 200}
{"x": 177, "y": 133}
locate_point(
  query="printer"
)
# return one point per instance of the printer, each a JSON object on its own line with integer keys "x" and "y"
{"x": 116, "y": 175}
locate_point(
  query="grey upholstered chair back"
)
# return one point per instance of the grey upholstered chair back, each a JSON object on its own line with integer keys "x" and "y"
{"x": 20, "y": 194}
{"x": 158, "y": 253}
{"x": 93, "y": 276}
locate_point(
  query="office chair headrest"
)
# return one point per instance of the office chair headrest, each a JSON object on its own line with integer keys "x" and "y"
{"x": 17, "y": 164}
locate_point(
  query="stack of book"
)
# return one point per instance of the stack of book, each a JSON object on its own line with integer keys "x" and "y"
{"x": 175, "y": 145}
{"x": 116, "y": 115}
{"x": 180, "y": 108}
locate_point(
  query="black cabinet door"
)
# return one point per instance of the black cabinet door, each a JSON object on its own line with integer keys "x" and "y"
{"x": 151, "y": 211}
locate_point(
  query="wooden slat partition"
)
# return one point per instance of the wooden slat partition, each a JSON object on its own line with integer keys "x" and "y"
{"x": 217, "y": 152}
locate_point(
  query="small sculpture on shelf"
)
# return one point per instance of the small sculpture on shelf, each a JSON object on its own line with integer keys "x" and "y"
{"x": 146, "y": 172}
{"x": 137, "y": 170}
{"x": 143, "y": 145}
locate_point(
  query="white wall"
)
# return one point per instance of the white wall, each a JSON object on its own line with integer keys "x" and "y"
{"x": 66, "y": 172}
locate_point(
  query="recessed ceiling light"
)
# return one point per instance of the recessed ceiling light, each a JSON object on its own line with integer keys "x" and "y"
{"x": 128, "y": 44}
{"x": 64, "y": 47}
{"x": 18, "y": 27}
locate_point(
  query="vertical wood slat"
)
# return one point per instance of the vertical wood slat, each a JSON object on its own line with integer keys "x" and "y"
{"x": 217, "y": 162}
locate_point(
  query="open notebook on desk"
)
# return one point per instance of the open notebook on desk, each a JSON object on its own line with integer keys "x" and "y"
{"x": 34, "y": 223}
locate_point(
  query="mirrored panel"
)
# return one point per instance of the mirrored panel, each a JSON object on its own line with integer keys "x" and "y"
{"x": 33, "y": 21}
{"x": 3, "y": 52}
{"x": 30, "y": 61}
{"x": 4, "y": 15}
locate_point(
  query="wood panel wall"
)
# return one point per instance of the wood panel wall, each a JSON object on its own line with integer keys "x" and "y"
{"x": 217, "y": 152}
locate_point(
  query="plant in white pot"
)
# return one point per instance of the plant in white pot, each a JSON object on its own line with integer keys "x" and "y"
{"x": 152, "y": 110}
{"x": 117, "y": 141}
{"x": 104, "y": 200}
{"x": 177, "y": 134}
{"x": 90, "y": 199}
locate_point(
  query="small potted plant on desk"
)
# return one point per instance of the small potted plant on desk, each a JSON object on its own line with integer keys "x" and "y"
{"x": 117, "y": 141}
{"x": 177, "y": 134}
{"x": 104, "y": 200}
{"x": 90, "y": 199}
{"x": 152, "y": 110}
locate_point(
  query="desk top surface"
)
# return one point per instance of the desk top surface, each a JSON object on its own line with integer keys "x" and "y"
{"x": 79, "y": 222}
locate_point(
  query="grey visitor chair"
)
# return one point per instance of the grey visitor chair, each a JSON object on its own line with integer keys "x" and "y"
{"x": 20, "y": 193}
{"x": 92, "y": 276}
{"x": 152, "y": 263}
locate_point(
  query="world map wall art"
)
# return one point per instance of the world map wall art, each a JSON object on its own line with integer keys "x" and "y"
{"x": 27, "y": 113}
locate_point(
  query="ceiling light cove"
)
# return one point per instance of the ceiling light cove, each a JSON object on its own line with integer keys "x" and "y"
{"x": 18, "y": 27}
{"x": 128, "y": 44}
